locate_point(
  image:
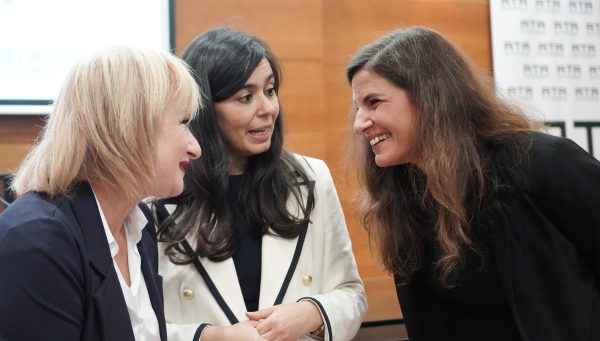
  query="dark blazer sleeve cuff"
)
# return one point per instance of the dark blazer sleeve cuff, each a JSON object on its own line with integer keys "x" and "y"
{"x": 199, "y": 331}
{"x": 326, "y": 322}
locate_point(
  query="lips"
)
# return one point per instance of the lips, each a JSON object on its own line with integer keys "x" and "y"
{"x": 260, "y": 131}
{"x": 379, "y": 138}
{"x": 183, "y": 165}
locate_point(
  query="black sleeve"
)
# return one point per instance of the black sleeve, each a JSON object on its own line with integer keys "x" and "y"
{"x": 571, "y": 189}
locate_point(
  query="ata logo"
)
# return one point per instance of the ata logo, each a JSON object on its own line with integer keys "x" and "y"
{"x": 517, "y": 48}
{"x": 592, "y": 28}
{"x": 536, "y": 70}
{"x": 533, "y": 26}
{"x": 554, "y": 93}
{"x": 571, "y": 71}
{"x": 583, "y": 50}
{"x": 521, "y": 92}
{"x": 566, "y": 27}
{"x": 587, "y": 93}
{"x": 551, "y": 49}
{"x": 594, "y": 71}
{"x": 547, "y": 6}
{"x": 581, "y": 6}
{"x": 514, "y": 4}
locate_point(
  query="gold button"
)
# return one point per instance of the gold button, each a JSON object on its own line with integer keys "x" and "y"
{"x": 307, "y": 280}
{"x": 188, "y": 294}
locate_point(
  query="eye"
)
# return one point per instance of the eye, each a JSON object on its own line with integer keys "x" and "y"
{"x": 185, "y": 122}
{"x": 271, "y": 92}
{"x": 374, "y": 102}
{"x": 246, "y": 98}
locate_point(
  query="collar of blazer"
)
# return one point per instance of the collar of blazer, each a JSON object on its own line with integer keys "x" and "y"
{"x": 107, "y": 293}
{"x": 277, "y": 270}
{"x": 103, "y": 287}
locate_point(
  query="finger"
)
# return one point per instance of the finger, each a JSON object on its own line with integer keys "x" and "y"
{"x": 263, "y": 327}
{"x": 253, "y": 323}
{"x": 270, "y": 336}
{"x": 260, "y": 314}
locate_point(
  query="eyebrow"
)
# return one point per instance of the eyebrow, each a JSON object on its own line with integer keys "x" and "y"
{"x": 252, "y": 85}
{"x": 367, "y": 97}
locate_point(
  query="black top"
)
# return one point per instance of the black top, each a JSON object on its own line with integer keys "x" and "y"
{"x": 544, "y": 239}
{"x": 247, "y": 255}
{"x": 477, "y": 306}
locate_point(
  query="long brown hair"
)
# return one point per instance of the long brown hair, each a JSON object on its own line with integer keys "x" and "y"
{"x": 459, "y": 121}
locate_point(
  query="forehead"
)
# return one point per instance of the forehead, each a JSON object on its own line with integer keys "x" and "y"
{"x": 262, "y": 71}
{"x": 366, "y": 83}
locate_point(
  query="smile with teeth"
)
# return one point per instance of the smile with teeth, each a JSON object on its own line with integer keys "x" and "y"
{"x": 260, "y": 132}
{"x": 379, "y": 138}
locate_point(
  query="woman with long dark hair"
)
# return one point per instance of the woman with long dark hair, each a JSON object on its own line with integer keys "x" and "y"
{"x": 256, "y": 246}
{"x": 489, "y": 226}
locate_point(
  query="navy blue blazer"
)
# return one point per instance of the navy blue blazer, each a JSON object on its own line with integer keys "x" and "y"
{"x": 57, "y": 279}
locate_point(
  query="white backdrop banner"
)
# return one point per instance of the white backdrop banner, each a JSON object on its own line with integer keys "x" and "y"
{"x": 547, "y": 59}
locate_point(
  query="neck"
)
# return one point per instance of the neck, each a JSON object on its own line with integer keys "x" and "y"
{"x": 115, "y": 206}
{"x": 237, "y": 166}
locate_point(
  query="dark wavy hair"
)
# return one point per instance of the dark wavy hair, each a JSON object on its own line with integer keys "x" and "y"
{"x": 222, "y": 60}
{"x": 460, "y": 123}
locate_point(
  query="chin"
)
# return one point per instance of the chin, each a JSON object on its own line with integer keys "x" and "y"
{"x": 382, "y": 163}
{"x": 173, "y": 192}
{"x": 261, "y": 150}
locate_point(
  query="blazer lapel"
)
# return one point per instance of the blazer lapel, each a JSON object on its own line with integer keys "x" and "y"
{"x": 225, "y": 279}
{"x": 154, "y": 286}
{"x": 280, "y": 257}
{"x": 277, "y": 256}
{"x": 105, "y": 288}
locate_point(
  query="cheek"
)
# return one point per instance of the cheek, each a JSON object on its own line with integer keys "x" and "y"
{"x": 276, "y": 104}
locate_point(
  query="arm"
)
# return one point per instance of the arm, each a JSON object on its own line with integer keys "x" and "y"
{"x": 244, "y": 330}
{"x": 341, "y": 300}
{"x": 571, "y": 192}
{"x": 240, "y": 331}
{"x": 287, "y": 322}
{"x": 41, "y": 291}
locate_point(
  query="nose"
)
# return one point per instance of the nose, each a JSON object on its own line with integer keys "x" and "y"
{"x": 193, "y": 150}
{"x": 361, "y": 122}
{"x": 268, "y": 105}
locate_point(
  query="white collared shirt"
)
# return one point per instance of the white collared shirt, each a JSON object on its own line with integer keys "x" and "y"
{"x": 143, "y": 318}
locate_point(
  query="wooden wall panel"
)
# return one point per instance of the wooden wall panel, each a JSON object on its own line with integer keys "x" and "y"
{"x": 291, "y": 28}
{"x": 17, "y": 134}
{"x": 314, "y": 40}
{"x": 351, "y": 23}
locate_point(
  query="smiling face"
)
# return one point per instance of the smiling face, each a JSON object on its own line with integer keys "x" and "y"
{"x": 385, "y": 117}
{"x": 246, "y": 120}
{"x": 176, "y": 148}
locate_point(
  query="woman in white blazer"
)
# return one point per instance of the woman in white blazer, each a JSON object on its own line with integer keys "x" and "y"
{"x": 256, "y": 248}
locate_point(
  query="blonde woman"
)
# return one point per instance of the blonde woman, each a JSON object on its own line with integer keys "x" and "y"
{"x": 77, "y": 253}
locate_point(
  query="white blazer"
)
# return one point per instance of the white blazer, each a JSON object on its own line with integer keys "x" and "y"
{"x": 325, "y": 273}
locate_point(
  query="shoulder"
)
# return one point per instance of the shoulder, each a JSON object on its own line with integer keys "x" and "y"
{"x": 35, "y": 211}
{"x": 315, "y": 168}
{"x": 555, "y": 154}
{"x": 547, "y": 144}
{"x": 37, "y": 226}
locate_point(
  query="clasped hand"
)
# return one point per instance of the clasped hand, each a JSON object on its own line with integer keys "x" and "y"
{"x": 286, "y": 322}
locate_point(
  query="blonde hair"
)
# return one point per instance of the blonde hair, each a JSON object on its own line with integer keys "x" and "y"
{"x": 105, "y": 122}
